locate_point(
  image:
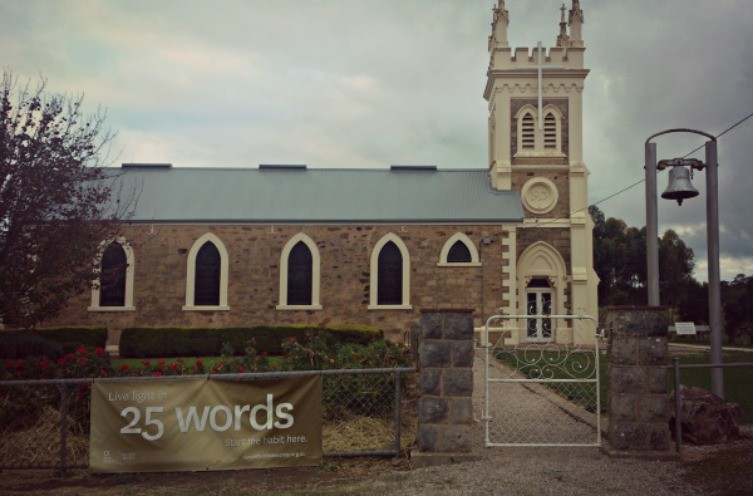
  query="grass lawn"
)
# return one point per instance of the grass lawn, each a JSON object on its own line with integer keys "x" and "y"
{"x": 737, "y": 381}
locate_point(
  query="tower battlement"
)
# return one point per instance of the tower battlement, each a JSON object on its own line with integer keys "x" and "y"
{"x": 506, "y": 59}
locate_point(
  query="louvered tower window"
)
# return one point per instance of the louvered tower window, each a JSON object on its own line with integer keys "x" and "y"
{"x": 528, "y": 130}
{"x": 550, "y": 132}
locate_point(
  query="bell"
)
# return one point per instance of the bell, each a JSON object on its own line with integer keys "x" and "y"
{"x": 679, "y": 186}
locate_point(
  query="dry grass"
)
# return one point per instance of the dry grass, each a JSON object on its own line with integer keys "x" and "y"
{"x": 367, "y": 433}
{"x": 39, "y": 444}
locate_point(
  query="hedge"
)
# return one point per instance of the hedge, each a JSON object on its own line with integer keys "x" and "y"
{"x": 164, "y": 342}
{"x": 69, "y": 338}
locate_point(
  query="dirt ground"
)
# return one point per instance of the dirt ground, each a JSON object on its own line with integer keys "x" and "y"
{"x": 722, "y": 470}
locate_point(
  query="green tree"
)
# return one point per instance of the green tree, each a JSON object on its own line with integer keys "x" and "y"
{"x": 56, "y": 202}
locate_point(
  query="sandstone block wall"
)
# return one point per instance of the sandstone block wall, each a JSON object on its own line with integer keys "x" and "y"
{"x": 161, "y": 253}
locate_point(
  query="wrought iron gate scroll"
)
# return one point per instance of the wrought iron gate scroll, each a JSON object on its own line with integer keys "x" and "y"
{"x": 542, "y": 394}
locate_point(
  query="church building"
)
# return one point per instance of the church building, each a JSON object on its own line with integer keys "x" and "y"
{"x": 280, "y": 244}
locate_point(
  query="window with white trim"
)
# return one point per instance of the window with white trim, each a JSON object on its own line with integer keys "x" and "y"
{"x": 207, "y": 275}
{"x": 299, "y": 274}
{"x": 535, "y": 141}
{"x": 459, "y": 251}
{"x": 390, "y": 274}
{"x": 113, "y": 289}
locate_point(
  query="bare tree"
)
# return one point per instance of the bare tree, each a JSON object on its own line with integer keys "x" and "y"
{"x": 56, "y": 200}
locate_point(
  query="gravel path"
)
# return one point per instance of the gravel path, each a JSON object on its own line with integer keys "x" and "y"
{"x": 535, "y": 471}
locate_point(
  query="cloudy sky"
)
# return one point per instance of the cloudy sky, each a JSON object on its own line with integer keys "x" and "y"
{"x": 365, "y": 83}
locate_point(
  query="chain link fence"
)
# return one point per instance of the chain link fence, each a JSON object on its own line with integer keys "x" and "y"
{"x": 367, "y": 412}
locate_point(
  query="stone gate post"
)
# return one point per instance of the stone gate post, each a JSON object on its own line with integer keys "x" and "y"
{"x": 445, "y": 378}
{"x": 638, "y": 399}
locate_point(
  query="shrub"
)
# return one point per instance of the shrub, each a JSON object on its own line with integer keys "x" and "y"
{"x": 152, "y": 342}
{"x": 70, "y": 338}
{"x": 14, "y": 345}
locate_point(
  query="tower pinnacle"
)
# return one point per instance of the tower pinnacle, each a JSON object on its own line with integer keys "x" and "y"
{"x": 498, "y": 39}
{"x": 563, "y": 39}
{"x": 576, "y": 22}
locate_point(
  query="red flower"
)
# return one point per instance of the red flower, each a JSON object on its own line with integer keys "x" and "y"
{"x": 61, "y": 361}
{"x": 84, "y": 386}
{"x": 215, "y": 371}
{"x": 81, "y": 351}
{"x": 161, "y": 361}
{"x": 198, "y": 362}
{"x": 173, "y": 366}
{"x": 124, "y": 367}
{"x": 146, "y": 363}
{"x": 99, "y": 352}
{"x": 241, "y": 369}
{"x": 81, "y": 395}
{"x": 43, "y": 364}
{"x": 157, "y": 373}
{"x": 81, "y": 361}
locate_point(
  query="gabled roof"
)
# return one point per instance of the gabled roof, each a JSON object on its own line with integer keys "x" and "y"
{"x": 300, "y": 195}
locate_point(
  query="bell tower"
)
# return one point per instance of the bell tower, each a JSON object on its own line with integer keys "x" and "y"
{"x": 536, "y": 147}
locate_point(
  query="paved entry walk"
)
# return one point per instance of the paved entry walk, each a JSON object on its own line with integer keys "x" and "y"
{"x": 526, "y": 414}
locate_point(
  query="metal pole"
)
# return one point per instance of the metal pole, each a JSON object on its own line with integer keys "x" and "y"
{"x": 63, "y": 428}
{"x": 715, "y": 301}
{"x": 398, "y": 410}
{"x": 678, "y": 405}
{"x": 652, "y": 227}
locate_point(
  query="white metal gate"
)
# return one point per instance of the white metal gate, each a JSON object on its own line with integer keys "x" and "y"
{"x": 542, "y": 393}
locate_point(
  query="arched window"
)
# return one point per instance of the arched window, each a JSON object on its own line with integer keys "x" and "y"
{"x": 539, "y": 138}
{"x": 459, "y": 250}
{"x": 550, "y": 132}
{"x": 459, "y": 253}
{"x": 207, "y": 275}
{"x": 528, "y": 132}
{"x": 112, "y": 276}
{"x": 390, "y": 274}
{"x": 299, "y": 274}
{"x": 113, "y": 289}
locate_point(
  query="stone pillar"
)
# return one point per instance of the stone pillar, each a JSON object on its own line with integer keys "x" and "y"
{"x": 445, "y": 378}
{"x": 638, "y": 399}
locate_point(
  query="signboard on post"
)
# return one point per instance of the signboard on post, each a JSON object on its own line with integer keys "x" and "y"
{"x": 201, "y": 424}
{"x": 685, "y": 328}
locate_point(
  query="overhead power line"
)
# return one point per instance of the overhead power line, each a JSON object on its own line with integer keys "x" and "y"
{"x": 633, "y": 185}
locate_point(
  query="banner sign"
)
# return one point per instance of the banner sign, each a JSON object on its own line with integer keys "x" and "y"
{"x": 201, "y": 424}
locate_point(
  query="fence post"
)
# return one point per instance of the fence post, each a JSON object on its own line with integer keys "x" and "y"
{"x": 678, "y": 405}
{"x": 637, "y": 400}
{"x": 63, "y": 428}
{"x": 445, "y": 407}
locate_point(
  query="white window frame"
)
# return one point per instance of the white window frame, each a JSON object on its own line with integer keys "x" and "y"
{"x": 374, "y": 274}
{"x": 191, "y": 274}
{"x": 475, "y": 262}
{"x": 130, "y": 271}
{"x": 315, "y": 274}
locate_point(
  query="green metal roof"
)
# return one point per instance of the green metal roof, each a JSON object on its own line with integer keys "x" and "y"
{"x": 295, "y": 194}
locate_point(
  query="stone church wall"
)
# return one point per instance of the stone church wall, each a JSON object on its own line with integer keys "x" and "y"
{"x": 254, "y": 252}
